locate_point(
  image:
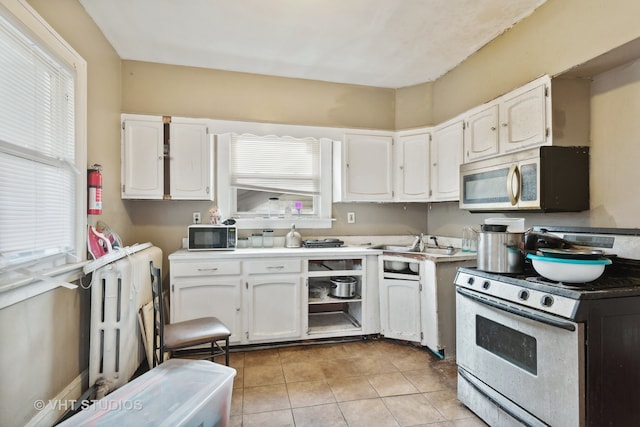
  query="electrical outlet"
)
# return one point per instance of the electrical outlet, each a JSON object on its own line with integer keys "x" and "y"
{"x": 351, "y": 217}
{"x": 196, "y": 218}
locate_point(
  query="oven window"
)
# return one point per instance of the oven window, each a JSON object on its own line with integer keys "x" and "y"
{"x": 509, "y": 344}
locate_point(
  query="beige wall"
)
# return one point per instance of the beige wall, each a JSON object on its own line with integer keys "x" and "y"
{"x": 615, "y": 132}
{"x": 414, "y": 106}
{"x": 150, "y": 88}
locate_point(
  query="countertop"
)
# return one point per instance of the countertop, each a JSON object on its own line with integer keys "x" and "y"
{"x": 184, "y": 254}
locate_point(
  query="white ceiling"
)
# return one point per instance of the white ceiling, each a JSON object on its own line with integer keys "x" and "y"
{"x": 382, "y": 43}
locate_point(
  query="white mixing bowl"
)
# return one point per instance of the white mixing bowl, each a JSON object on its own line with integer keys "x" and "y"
{"x": 569, "y": 270}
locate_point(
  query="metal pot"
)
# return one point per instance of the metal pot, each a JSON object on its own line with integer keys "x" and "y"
{"x": 500, "y": 252}
{"x": 343, "y": 286}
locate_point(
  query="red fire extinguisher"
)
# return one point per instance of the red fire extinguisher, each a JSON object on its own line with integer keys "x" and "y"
{"x": 94, "y": 182}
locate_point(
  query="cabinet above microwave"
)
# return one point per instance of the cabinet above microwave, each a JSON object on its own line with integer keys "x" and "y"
{"x": 543, "y": 179}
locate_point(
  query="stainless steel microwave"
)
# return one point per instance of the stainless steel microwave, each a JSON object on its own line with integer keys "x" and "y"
{"x": 209, "y": 237}
{"x": 545, "y": 179}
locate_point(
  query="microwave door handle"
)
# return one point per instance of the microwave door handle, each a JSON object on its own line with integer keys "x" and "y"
{"x": 513, "y": 171}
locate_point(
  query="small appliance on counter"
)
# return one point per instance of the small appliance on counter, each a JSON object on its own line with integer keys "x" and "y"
{"x": 293, "y": 238}
{"x": 212, "y": 237}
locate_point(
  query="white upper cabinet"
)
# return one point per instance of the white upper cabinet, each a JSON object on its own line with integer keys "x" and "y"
{"x": 542, "y": 112}
{"x": 412, "y": 166}
{"x": 142, "y": 159}
{"x": 363, "y": 167}
{"x": 481, "y": 135}
{"x": 446, "y": 158}
{"x": 190, "y": 159}
{"x": 523, "y": 119}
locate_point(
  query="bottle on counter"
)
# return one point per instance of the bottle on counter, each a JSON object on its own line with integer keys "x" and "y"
{"x": 256, "y": 240}
{"x": 267, "y": 238}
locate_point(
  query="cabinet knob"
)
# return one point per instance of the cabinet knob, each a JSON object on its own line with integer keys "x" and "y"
{"x": 493, "y": 128}
{"x": 504, "y": 125}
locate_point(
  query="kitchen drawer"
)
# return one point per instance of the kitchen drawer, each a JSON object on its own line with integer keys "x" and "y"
{"x": 205, "y": 268}
{"x": 272, "y": 266}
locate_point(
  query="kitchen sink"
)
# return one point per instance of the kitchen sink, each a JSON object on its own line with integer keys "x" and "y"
{"x": 395, "y": 248}
{"x": 439, "y": 250}
{"x": 434, "y": 250}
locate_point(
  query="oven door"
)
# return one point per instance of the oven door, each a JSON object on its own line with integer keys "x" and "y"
{"x": 533, "y": 359}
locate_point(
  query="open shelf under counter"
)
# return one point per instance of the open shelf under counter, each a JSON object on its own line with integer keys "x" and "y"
{"x": 332, "y": 300}
{"x": 333, "y": 273}
{"x": 332, "y": 321}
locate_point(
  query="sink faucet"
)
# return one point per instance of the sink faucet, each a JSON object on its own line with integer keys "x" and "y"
{"x": 435, "y": 240}
{"x": 418, "y": 243}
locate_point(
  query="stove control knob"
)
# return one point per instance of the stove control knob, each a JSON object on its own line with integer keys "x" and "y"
{"x": 546, "y": 301}
{"x": 523, "y": 295}
{"x": 470, "y": 281}
{"x": 486, "y": 284}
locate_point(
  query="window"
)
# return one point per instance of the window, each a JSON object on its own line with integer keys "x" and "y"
{"x": 274, "y": 179}
{"x": 42, "y": 149}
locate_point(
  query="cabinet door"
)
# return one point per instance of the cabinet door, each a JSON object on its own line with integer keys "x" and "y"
{"x": 217, "y": 297}
{"x": 412, "y": 169}
{"x": 523, "y": 120}
{"x": 142, "y": 159}
{"x": 446, "y": 157}
{"x": 368, "y": 168}
{"x": 191, "y": 160}
{"x": 481, "y": 136}
{"x": 400, "y": 309}
{"x": 274, "y": 307}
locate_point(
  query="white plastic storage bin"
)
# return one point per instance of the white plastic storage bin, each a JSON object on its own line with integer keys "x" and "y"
{"x": 179, "y": 392}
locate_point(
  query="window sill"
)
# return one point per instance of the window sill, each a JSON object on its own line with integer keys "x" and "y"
{"x": 283, "y": 223}
{"x": 18, "y": 291}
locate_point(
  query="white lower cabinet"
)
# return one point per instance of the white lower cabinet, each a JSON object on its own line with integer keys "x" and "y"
{"x": 273, "y": 307}
{"x": 400, "y": 309}
{"x": 418, "y": 304}
{"x": 217, "y": 297}
{"x": 268, "y": 299}
{"x": 202, "y": 288}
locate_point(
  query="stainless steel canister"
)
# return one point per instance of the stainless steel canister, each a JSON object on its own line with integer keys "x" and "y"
{"x": 500, "y": 252}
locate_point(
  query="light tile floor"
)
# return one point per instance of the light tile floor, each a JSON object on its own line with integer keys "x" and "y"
{"x": 363, "y": 383}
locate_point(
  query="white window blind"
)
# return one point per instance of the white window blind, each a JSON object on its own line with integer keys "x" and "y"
{"x": 37, "y": 150}
{"x": 274, "y": 163}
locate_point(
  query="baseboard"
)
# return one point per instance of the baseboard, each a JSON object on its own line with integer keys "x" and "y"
{"x": 51, "y": 410}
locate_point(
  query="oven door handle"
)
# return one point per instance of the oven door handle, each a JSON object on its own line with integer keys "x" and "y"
{"x": 548, "y": 320}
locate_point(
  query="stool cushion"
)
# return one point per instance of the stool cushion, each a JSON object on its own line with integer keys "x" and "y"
{"x": 194, "y": 332}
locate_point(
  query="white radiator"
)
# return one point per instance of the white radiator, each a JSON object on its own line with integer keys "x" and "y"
{"x": 118, "y": 290}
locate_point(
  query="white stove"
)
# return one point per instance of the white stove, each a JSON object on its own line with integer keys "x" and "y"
{"x": 536, "y": 352}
